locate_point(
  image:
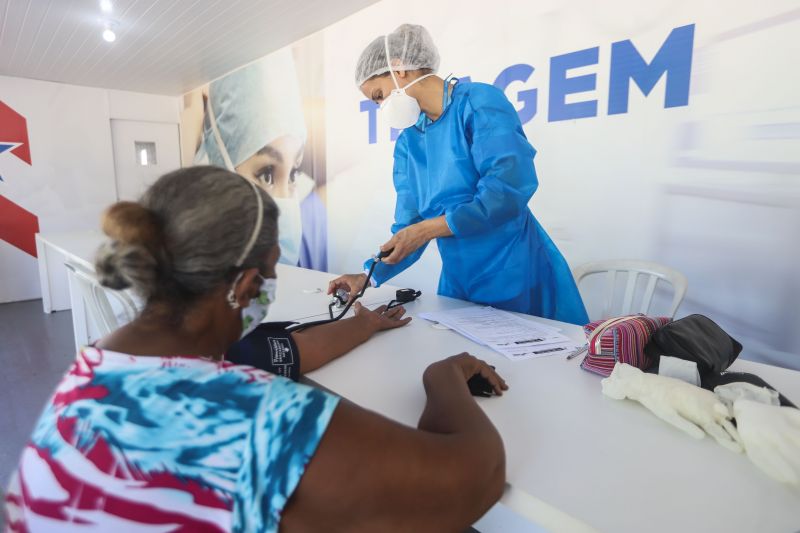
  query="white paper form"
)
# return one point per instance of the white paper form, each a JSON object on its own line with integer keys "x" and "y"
{"x": 504, "y": 332}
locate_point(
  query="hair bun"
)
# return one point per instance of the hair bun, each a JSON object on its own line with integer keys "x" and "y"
{"x": 131, "y": 259}
{"x": 132, "y": 223}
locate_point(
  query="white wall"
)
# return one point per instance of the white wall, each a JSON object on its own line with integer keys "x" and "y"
{"x": 71, "y": 178}
{"x": 139, "y": 106}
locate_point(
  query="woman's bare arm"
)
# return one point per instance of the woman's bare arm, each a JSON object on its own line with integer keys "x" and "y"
{"x": 371, "y": 474}
{"x": 322, "y": 344}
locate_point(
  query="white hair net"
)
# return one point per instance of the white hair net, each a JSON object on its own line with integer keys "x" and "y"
{"x": 410, "y": 48}
{"x": 253, "y": 106}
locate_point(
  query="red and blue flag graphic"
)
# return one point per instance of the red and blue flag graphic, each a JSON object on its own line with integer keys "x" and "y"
{"x": 18, "y": 226}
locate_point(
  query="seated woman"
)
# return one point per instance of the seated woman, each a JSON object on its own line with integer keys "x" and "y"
{"x": 152, "y": 430}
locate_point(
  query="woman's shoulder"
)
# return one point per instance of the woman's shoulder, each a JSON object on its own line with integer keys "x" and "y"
{"x": 213, "y": 386}
{"x": 149, "y": 377}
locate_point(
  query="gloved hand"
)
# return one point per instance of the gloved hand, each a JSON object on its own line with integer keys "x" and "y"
{"x": 771, "y": 438}
{"x": 677, "y": 402}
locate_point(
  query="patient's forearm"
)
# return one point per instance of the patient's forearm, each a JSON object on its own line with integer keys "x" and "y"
{"x": 322, "y": 344}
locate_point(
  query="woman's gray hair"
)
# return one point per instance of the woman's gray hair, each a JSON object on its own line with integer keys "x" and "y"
{"x": 184, "y": 237}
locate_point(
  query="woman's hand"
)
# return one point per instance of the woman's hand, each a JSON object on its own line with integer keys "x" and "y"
{"x": 351, "y": 283}
{"x": 408, "y": 240}
{"x": 469, "y": 365}
{"x": 381, "y": 319}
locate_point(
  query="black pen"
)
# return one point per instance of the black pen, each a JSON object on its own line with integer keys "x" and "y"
{"x": 577, "y": 352}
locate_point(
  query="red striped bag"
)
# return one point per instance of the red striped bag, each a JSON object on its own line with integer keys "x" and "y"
{"x": 619, "y": 339}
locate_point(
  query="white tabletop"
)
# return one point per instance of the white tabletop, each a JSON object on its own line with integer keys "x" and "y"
{"x": 611, "y": 464}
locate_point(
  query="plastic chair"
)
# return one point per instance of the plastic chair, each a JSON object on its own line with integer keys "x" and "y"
{"x": 96, "y": 301}
{"x": 652, "y": 273}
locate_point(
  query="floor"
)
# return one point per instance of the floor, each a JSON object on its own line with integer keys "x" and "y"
{"x": 35, "y": 350}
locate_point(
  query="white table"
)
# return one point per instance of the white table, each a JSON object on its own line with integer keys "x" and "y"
{"x": 609, "y": 464}
{"x": 574, "y": 457}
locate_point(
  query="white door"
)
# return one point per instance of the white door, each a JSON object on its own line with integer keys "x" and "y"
{"x": 143, "y": 151}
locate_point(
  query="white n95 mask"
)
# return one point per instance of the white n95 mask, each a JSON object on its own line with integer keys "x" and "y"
{"x": 401, "y": 110}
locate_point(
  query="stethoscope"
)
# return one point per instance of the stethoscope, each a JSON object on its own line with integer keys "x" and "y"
{"x": 342, "y": 301}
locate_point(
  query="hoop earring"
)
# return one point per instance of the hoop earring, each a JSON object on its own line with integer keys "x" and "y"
{"x": 232, "y": 300}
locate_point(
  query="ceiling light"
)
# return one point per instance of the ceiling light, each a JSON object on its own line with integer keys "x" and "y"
{"x": 109, "y": 30}
{"x": 106, "y": 6}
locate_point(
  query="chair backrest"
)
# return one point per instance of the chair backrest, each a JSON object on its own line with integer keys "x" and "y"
{"x": 96, "y": 300}
{"x": 650, "y": 273}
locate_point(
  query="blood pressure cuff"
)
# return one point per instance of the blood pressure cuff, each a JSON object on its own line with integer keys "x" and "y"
{"x": 269, "y": 347}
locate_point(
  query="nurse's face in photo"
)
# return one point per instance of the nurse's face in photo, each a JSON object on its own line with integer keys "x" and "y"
{"x": 275, "y": 165}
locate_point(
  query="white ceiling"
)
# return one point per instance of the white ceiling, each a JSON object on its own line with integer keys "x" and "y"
{"x": 163, "y": 46}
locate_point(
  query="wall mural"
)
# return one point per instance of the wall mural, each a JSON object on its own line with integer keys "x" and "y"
{"x": 18, "y": 226}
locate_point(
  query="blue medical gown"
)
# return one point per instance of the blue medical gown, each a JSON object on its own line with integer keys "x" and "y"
{"x": 474, "y": 165}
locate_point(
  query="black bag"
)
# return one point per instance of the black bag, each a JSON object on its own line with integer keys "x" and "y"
{"x": 695, "y": 338}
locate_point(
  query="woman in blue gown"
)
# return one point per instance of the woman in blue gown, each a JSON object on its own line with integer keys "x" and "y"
{"x": 464, "y": 174}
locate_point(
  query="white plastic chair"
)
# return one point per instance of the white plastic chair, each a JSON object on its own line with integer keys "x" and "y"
{"x": 95, "y": 299}
{"x": 650, "y": 272}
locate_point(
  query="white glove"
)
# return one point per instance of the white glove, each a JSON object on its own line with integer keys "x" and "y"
{"x": 683, "y": 405}
{"x": 731, "y": 392}
{"x": 771, "y": 438}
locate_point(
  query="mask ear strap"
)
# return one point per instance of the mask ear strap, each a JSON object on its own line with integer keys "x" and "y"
{"x": 389, "y": 61}
{"x": 418, "y": 79}
{"x": 257, "y": 228}
{"x": 229, "y": 164}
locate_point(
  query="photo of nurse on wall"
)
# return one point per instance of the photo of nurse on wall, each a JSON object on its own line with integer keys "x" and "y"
{"x": 265, "y": 121}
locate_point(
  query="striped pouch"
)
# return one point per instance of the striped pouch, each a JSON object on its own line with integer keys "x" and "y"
{"x": 619, "y": 339}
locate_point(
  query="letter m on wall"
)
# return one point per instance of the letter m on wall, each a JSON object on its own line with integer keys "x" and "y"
{"x": 674, "y": 59}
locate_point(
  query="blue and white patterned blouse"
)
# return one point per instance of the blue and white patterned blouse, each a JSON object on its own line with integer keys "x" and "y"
{"x": 166, "y": 444}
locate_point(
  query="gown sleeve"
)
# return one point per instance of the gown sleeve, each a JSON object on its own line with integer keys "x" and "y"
{"x": 503, "y": 158}
{"x": 405, "y": 214}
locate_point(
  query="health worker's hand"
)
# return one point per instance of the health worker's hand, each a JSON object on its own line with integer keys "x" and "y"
{"x": 351, "y": 283}
{"x": 406, "y": 241}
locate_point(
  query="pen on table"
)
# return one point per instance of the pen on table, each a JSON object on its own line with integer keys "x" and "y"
{"x": 577, "y": 352}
